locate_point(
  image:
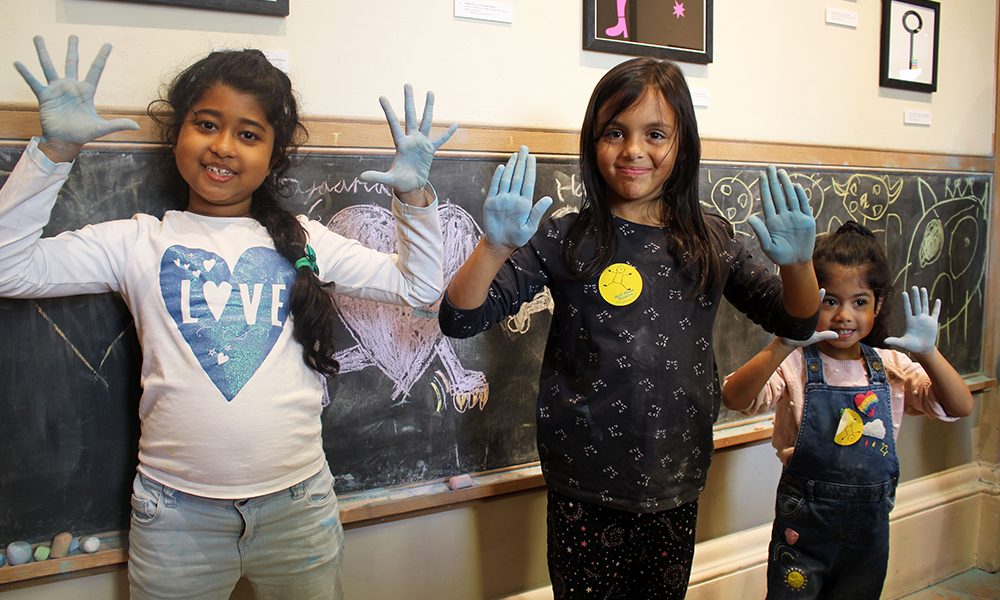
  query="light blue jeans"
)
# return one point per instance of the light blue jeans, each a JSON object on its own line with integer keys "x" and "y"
{"x": 288, "y": 544}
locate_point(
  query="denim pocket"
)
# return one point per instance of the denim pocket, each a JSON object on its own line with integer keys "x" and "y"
{"x": 319, "y": 489}
{"x": 145, "y": 503}
{"x": 890, "y": 503}
{"x": 787, "y": 505}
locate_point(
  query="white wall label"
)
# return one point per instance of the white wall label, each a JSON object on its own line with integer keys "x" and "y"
{"x": 485, "y": 10}
{"x": 917, "y": 117}
{"x": 699, "y": 98}
{"x": 847, "y": 18}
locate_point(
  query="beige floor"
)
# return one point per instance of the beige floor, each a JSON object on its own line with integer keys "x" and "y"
{"x": 971, "y": 584}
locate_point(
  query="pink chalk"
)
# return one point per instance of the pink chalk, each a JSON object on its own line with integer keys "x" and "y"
{"x": 460, "y": 481}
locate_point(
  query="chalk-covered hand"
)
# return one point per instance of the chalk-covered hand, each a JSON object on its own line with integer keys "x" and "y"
{"x": 66, "y": 104}
{"x": 921, "y": 323}
{"x": 788, "y": 230}
{"x": 414, "y": 149}
{"x": 509, "y": 216}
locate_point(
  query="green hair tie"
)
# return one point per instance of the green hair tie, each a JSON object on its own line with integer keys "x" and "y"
{"x": 309, "y": 260}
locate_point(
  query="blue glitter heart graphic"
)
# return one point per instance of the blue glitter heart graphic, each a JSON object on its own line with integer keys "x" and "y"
{"x": 231, "y": 320}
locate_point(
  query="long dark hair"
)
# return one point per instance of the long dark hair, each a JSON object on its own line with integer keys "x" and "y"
{"x": 855, "y": 247}
{"x": 249, "y": 72}
{"x": 690, "y": 240}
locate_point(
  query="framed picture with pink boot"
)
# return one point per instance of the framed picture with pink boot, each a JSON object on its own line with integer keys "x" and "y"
{"x": 679, "y": 30}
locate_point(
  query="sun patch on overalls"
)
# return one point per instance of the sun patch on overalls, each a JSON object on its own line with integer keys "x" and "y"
{"x": 620, "y": 284}
{"x": 795, "y": 578}
{"x": 849, "y": 429}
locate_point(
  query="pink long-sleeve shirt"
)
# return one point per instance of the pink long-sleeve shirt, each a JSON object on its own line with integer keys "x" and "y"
{"x": 909, "y": 387}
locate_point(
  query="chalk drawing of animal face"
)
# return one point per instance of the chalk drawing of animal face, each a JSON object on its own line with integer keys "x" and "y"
{"x": 399, "y": 340}
{"x": 731, "y": 198}
{"x": 944, "y": 247}
{"x": 868, "y": 197}
{"x": 815, "y": 192}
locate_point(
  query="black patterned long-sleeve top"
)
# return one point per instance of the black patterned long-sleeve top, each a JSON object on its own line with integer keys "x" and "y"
{"x": 628, "y": 391}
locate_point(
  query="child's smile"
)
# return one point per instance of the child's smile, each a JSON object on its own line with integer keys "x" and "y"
{"x": 849, "y": 309}
{"x": 223, "y": 152}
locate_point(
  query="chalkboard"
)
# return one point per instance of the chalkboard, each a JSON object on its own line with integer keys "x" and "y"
{"x": 410, "y": 405}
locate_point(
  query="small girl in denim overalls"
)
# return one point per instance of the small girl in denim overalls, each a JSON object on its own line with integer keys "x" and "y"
{"x": 838, "y": 405}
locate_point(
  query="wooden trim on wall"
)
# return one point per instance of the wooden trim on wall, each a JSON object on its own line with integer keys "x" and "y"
{"x": 19, "y": 122}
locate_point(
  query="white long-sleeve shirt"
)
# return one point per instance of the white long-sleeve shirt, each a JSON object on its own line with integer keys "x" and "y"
{"x": 229, "y": 409}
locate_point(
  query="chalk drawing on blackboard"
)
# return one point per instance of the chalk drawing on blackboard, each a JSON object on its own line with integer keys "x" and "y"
{"x": 948, "y": 239}
{"x": 730, "y": 197}
{"x": 568, "y": 185}
{"x": 736, "y": 200}
{"x": 398, "y": 340}
{"x": 813, "y": 186}
{"x": 76, "y": 351}
{"x": 868, "y": 199}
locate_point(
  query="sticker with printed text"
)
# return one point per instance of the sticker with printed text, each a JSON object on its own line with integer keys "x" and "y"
{"x": 620, "y": 284}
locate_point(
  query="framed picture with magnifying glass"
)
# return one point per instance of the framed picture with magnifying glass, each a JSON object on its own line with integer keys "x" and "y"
{"x": 910, "y": 34}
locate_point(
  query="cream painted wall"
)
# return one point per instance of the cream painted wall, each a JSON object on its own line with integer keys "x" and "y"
{"x": 780, "y": 73}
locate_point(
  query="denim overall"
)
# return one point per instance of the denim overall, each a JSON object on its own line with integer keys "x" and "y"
{"x": 830, "y": 537}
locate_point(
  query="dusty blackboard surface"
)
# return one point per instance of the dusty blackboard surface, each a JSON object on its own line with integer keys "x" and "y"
{"x": 410, "y": 405}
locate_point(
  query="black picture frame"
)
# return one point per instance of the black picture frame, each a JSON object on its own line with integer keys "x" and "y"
{"x": 274, "y": 8}
{"x": 658, "y": 28}
{"x": 911, "y": 34}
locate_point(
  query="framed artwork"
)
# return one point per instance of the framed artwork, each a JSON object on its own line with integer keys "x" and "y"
{"x": 910, "y": 35}
{"x": 679, "y": 30}
{"x": 277, "y": 8}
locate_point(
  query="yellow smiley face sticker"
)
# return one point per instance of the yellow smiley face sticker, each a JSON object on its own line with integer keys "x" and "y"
{"x": 620, "y": 284}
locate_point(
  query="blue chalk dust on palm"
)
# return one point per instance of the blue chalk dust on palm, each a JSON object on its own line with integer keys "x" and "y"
{"x": 230, "y": 318}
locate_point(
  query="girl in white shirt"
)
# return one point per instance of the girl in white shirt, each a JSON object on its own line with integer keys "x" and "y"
{"x": 231, "y": 300}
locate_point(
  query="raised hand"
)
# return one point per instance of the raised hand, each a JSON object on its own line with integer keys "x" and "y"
{"x": 921, "y": 324}
{"x": 414, "y": 150}
{"x": 66, "y": 104}
{"x": 788, "y": 230}
{"x": 509, "y": 216}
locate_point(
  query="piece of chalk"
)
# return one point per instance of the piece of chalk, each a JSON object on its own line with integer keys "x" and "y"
{"x": 90, "y": 544}
{"x": 3, "y": 560}
{"x": 42, "y": 553}
{"x": 460, "y": 481}
{"x": 74, "y": 545}
{"x": 18, "y": 553}
{"x": 60, "y": 545}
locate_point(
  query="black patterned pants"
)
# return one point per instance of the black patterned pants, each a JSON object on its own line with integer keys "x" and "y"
{"x": 603, "y": 553}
